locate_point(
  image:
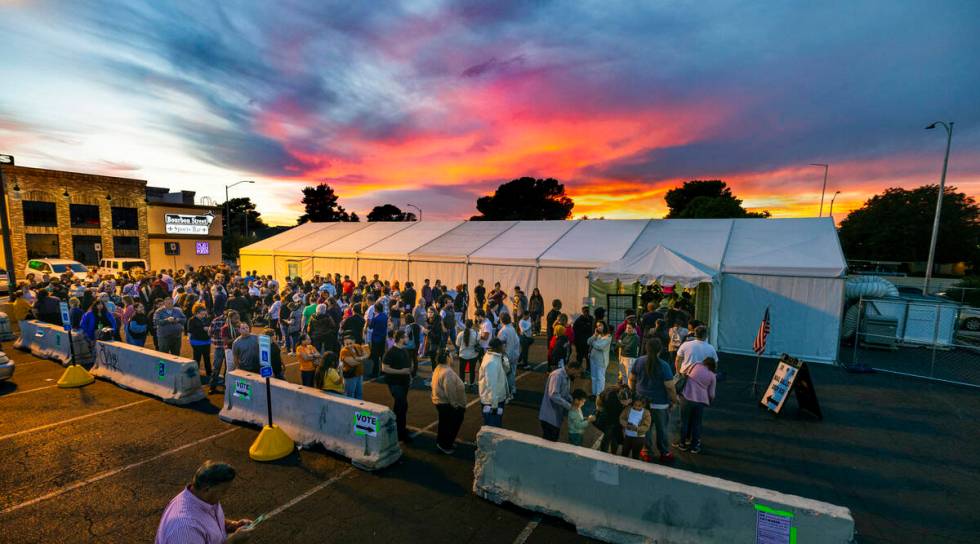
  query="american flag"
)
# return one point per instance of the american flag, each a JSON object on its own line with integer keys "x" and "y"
{"x": 759, "y": 346}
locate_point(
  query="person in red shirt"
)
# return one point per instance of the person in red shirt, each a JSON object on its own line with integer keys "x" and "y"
{"x": 347, "y": 286}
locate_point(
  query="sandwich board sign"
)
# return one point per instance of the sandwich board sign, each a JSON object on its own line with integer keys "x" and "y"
{"x": 791, "y": 376}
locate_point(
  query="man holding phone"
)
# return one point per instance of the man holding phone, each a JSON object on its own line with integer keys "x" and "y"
{"x": 195, "y": 515}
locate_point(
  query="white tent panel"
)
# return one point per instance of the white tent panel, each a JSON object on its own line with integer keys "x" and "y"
{"x": 333, "y": 265}
{"x": 264, "y": 264}
{"x": 804, "y": 315}
{"x": 785, "y": 247}
{"x": 372, "y": 233}
{"x": 448, "y": 273}
{"x": 463, "y": 240}
{"x": 290, "y": 267}
{"x": 605, "y": 240}
{"x": 304, "y": 246}
{"x": 272, "y": 243}
{"x": 400, "y": 244}
{"x": 390, "y": 270}
{"x": 570, "y": 285}
{"x": 508, "y": 276}
{"x": 700, "y": 240}
{"x": 522, "y": 244}
{"x": 659, "y": 265}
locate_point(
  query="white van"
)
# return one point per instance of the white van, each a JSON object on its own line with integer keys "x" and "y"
{"x": 121, "y": 267}
{"x": 55, "y": 267}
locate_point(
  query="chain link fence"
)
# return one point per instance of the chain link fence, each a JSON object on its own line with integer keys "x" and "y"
{"x": 925, "y": 336}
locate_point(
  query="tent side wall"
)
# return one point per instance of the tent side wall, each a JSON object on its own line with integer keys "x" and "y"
{"x": 804, "y": 314}
{"x": 264, "y": 264}
{"x": 390, "y": 270}
{"x": 569, "y": 285}
{"x": 449, "y": 273}
{"x": 507, "y": 275}
{"x": 333, "y": 265}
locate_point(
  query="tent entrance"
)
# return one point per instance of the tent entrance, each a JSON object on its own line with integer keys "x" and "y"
{"x": 695, "y": 302}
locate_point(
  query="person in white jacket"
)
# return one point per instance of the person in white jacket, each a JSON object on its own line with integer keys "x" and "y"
{"x": 493, "y": 383}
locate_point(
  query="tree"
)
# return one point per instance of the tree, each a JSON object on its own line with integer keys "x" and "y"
{"x": 525, "y": 199}
{"x": 706, "y": 199}
{"x": 390, "y": 212}
{"x": 321, "y": 205}
{"x": 233, "y": 238}
{"x": 897, "y": 226}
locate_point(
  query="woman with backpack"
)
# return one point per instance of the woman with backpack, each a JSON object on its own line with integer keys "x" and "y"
{"x": 138, "y": 326}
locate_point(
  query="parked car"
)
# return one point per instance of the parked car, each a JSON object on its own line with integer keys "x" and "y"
{"x": 120, "y": 267}
{"x": 55, "y": 267}
{"x": 969, "y": 319}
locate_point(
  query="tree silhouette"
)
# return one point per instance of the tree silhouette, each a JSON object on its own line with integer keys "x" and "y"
{"x": 321, "y": 205}
{"x": 233, "y": 238}
{"x": 706, "y": 199}
{"x": 390, "y": 212}
{"x": 897, "y": 226}
{"x": 525, "y": 199}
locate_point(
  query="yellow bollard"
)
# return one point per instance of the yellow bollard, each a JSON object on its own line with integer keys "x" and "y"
{"x": 75, "y": 376}
{"x": 272, "y": 443}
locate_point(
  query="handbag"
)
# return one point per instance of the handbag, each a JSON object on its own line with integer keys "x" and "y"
{"x": 680, "y": 381}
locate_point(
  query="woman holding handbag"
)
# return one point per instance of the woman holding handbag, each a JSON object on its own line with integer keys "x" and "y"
{"x": 697, "y": 393}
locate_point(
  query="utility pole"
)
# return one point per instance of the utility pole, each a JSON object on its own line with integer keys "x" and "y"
{"x": 939, "y": 204}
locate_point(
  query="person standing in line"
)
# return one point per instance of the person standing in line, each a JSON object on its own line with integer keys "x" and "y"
{"x": 449, "y": 397}
{"x": 535, "y": 309}
{"x": 493, "y": 383}
{"x": 677, "y": 334}
{"x": 466, "y": 344}
{"x": 635, "y": 421}
{"x": 480, "y": 293}
{"x": 200, "y": 339}
{"x": 599, "y": 344}
{"x": 512, "y": 348}
{"x": 577, "y": 423}
{"x": 308, "y": 357}
{"x": 218, "y": 341}
{"x": 426, "y": 292}
{"x": 379, "y": 335}
{"x": 582, "y": 328}
{"x": 138, "y": 326}
{"x": 169, "y": 323}
{"x": 693, "y": 352}
{"x": 557, "y": 400}
{"x": 698, "y": 394}
{"x": 525, "y": 328}
{"x": 609, "y": 406}
{"x": 651, "y": 378}
{"x": 352, "y": 358}
{"x": 98, "y": 317}
{"x": 245, "y": 349}
{"x": 195, "y": 515}
{"x": 397, "y": 368}
{"x": 629, "y": 350}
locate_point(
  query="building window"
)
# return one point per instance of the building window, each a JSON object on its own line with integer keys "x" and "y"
{"x": 40, "y": 214}
{"x": 84, "y": 215}
{"x": 42, "y": 246}
{"x": 83, "y": 249}
{"x": 125, "y": 218}
{"x": 126, "y": 246}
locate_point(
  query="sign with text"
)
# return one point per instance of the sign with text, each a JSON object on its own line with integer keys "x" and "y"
{"x": 176, "y": 223}
{"x": 65, "y": 316}
{"x": 171, "y": 248}
{"x": 264, "y": 357}
{"x": 365, "y": 424}
{"x": 791, "y": 375}
{"x": 243, "y": 390}
{"x": 773, "y": 526}
{"x": 202, "y": 248}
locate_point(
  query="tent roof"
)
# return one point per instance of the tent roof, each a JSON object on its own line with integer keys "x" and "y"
{"x": 785, "y": 247}
{"x": 777, "y": 247}
{"x": 607, "y": 240}
{"x": 523, "y": 243}
{"x": 656, "y": 265}
{"x": 371, "y": 234}
{"x": 401, "y": 244}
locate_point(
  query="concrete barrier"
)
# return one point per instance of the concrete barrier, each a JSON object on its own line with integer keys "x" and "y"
{"x": 174, "y": 380}
{"x": 623, "y": 500}
{"x": 6, "y": 334}
{"x": 362, "y": 431}
{"x": 51, "y": 342}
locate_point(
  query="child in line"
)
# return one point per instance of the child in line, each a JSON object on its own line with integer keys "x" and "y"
{"x": 327, "y": 378}
{"x": 576, "y": 422}
{"x": 635, "y": 420}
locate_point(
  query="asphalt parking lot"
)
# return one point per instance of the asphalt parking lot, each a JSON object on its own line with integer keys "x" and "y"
{"x": 98, "y": 464}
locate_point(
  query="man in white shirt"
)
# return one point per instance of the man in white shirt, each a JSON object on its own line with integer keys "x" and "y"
{"x": 512, "y": 348}
{"x": 694, "y": 352}
{"x": 486, "y": 329}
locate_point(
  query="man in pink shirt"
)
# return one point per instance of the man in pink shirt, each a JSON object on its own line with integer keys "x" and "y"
{"x": 195, "y": 515}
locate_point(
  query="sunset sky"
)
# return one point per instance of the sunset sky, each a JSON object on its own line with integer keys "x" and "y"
{"x": 436, "y": 103}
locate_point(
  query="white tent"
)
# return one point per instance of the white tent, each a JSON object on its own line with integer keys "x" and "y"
{"x": 793, "y": 266}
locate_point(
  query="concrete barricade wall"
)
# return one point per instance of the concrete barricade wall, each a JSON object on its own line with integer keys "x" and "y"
{"x": 172, "y": 379}
{"x": 309, "y": 416}
{"x": 623, "y": 500}
{"x": 51, "y": 342}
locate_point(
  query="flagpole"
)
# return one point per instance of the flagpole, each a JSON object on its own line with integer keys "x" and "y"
{"x": 758, "y": 354}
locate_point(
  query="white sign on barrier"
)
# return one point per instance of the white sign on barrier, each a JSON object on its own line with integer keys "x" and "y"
{"x": 65, "y": 316}
{"x": 365, "y": 423}
{"x": 243, "y": 390}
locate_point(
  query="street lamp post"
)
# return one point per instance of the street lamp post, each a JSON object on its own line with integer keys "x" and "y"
{"x": 8, "y": 251}
{"x": 417, "y": 208}
{"x": 832, "y": 199}
{"x": 824, "y": 190}
{"x": 226, "y": 222}
{"x": 939, "y": 204}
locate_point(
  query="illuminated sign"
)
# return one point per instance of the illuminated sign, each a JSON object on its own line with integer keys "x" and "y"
{"x": 203, "y": 248}
{"x": 188, "y": 224}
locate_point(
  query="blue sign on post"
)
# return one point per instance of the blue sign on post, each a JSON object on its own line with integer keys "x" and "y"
{"x": 265, "y": 360}
{"x": 265, "y": 372}
{"x": 65, "y": 316}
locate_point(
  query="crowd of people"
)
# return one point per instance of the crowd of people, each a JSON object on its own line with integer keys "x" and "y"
{"x": 343, "y": 332}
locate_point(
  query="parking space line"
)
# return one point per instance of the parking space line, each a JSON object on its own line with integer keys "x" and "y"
{"x": 528, "y": 529}
{"x": 313, "y": 490}
{"x": 69, "y": 420}
{"x": 27, "y": 391}
{"x": 113, "y": 472}
{"x": 418, "y": 431}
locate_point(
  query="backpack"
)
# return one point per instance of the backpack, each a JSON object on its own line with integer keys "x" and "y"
{"x": 411, "y": 332}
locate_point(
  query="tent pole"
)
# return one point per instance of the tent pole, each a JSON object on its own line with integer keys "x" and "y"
{"x": 755, "y": 380}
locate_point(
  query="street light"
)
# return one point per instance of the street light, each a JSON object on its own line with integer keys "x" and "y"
{"x": 8, "y": 254}
{"x": 939, "y": 203}
{"x": 226, "y": 221}
{"x": 832, "y": 204}
{"x": 824, "y": 190}
{"x": 417, "y": 208}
